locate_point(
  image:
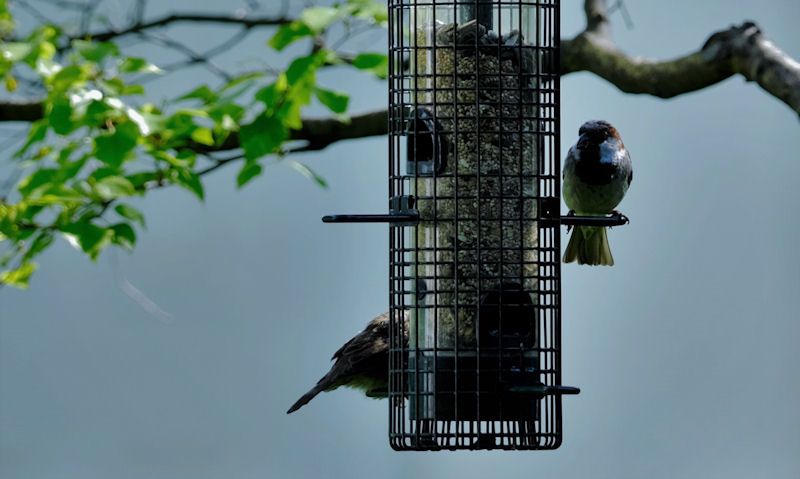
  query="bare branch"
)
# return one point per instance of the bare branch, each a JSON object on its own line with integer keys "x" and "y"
{"x": 194, "y": 58}
{"x": 738, "y": 50}
{"x": 597, "y": 20}
{"x": 321, "y": 132}
{"x": 219, "y": 163}
{"x": 21, "y": 111}
{"x": 34, "y": 12}
{"x": 247, "y": 22}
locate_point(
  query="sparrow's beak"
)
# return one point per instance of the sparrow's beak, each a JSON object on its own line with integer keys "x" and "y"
{"x": 583, "y": 142}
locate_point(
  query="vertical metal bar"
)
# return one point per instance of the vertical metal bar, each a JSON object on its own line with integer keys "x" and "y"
{"x": 477, "y": 256}
{"x": 455, "y": 216}
{"x": 499, "y": 119}
{"x": 556, "y": 81}
{"x": 435, "y": 93}
{"x": 455, "y": 136}
{"x": 522, "y": 119}
{"x": 414, "y": 54}
{"x": 392, "y": 246}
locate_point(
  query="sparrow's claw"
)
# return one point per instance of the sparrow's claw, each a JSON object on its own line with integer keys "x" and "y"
{"x": 570, "y": 213}
{"x": 624, "y": 218}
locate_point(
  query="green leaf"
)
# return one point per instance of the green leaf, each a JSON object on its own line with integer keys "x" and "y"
{"x": 67, "y": 77}
{"x": 42, "y": 240}
{"x": 11, "y": 82}
{"x": 95, "y": 51}
{"x": 39, "y": 178}
{"x": 103, "y": 172}
{"x": 227, "y": 116}
{"x": 117, "y": 87}
{"x": 370, "y": 10}
{"x": 335, "y": 101}
{"x": 250, "y": 170}
{"x": 375, "y": 63}
{"x": 69, "y": 169}
{"x": 203, "y": 93}
{"x": 112, "y": 187}
{"x": 137, "y": 65}
{"x": 308, "y": 173}
{"x": 14, "y": 51}
{"x": 190, "y": 181}
{"x": 272, "y": 94}
{"x": 130, "y": 90}
{"x": 61, "y": 117}
{"x": 203, "y": 135}
{"x": 170, "y": 159}
{"x": 112, "y": 149}
{"x": 37, "y": 133}
{"x": 124, "y": 235}
{"x": 243, "y": 78}
{"x": 97, "y": 113}
{"x": 303, "y": 69}
{"x": 130, "y": 213}
{"x": 88, "y": 237}
{"x": 139, "y": 180}
{"x": 18, "y": 277}
{"x": 288, "y": 34}
{"x": 319, "y": 18}
{"x": 262, "y": 137}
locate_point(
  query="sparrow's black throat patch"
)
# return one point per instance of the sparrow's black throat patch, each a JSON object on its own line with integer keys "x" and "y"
{"x": 590, "y": 170}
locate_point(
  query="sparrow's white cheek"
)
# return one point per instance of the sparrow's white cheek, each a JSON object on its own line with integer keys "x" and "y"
{"x": 608, "y": 151}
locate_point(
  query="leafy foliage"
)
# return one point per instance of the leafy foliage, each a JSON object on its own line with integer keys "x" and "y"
{"x": 100, "y": 143}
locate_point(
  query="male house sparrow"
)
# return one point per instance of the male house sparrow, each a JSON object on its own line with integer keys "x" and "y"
{"x": 362, "y": 363}
{"x": 597, "y": 173}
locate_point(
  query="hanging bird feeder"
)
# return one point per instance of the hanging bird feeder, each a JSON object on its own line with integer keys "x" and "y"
{"x": 474, "y": 190}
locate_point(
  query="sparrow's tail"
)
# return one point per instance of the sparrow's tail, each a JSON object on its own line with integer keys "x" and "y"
{"x": 305, "y": 398}
{"x": 322, "y": 385}
{"x": 589, "y": 245}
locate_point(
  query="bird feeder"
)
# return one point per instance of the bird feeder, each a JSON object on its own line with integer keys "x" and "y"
{"x": 474, "y": 199}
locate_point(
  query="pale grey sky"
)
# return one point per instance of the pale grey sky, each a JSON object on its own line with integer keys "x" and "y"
{"x": 686, "y": 351}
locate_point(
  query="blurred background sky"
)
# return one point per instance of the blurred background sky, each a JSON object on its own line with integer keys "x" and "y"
{"x": 686, "y": 351}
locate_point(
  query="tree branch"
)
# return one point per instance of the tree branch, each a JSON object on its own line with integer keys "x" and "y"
{"x": 247, "y": 22}
{"x": 597, "y": 20}
{"x": 21, "y": 111}
{"x": 738, "y": 50}
{"x": 321, "y": 132}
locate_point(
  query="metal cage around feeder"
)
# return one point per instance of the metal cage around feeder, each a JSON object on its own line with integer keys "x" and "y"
{"x": 474, "y": 187}
{"x": 478, "y": 277}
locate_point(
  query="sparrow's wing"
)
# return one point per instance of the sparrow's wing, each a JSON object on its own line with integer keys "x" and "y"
{"x": 569, "y": 161}
{"x": 364, "y": 356}
{"x": 629, "y": 166}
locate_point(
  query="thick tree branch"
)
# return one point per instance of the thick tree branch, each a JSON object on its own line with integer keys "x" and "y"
{"x": 740, "y": 49}
{"x": 20, "y": 111}
{"x": 321, "y": 132}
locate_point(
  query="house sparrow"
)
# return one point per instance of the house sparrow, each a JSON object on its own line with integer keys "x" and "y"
{"x": 362, "y": 363}
{"x": 597, "y": 173}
